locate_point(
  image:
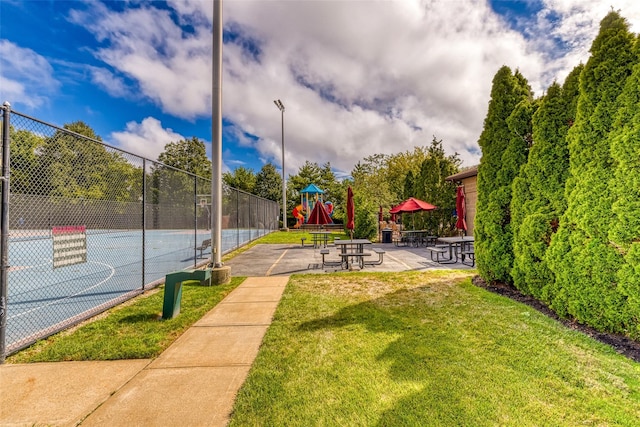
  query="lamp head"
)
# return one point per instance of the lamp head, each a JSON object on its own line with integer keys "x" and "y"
{"x": 279, "y": 104}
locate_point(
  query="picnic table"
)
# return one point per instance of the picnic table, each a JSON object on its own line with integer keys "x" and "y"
{"x": 458, "y": 246}
{"x": 352, "y": 249}
{"x": 416, "y": 238}
{"x": 320, "y": 238}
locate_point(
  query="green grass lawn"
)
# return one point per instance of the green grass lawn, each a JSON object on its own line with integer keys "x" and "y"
{"x": 387, "y": 349}
{"x": 134, "y": 330}
{"x": 281, "y": 237}
{"x": 292, "y": 236}
{"x": 428, "y": 349}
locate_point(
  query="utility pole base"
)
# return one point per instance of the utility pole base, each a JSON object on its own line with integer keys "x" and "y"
{"x": 220, "y": 275}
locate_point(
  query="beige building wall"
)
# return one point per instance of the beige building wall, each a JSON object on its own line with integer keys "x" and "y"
{"x": 468, "y": 178}
{"x": 471, "y": 199}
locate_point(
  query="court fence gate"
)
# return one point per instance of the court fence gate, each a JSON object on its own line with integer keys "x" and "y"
{"x": 86, "y": 226}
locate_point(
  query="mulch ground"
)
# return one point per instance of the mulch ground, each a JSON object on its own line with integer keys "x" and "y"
{"x": 620, "y": 343}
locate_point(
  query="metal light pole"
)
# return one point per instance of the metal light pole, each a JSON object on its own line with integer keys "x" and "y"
{"x": 216, "y": 137}
{"x": 280, "y": 106}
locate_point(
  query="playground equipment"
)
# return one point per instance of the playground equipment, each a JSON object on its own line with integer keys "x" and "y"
{"x": 298, "y": 213}
{"x": 308, "y": 198}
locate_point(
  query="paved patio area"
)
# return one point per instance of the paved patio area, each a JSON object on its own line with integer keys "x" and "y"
{"x": 284, "y": 260}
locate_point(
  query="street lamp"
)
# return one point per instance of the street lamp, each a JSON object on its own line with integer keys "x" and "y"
{"x": 280, "y": 106}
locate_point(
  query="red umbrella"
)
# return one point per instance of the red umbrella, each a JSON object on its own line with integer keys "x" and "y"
{"x": 461, "y": 224}
{"x": 351, "y": 211}
{"x": 412, "y": 205}
{"x": 319, "y": 215}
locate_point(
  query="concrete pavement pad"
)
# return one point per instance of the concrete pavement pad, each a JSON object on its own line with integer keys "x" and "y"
{"x": 213, "y": 346}
{"x": 255, "y": 294}
{"x": 61, "y": 393}
{"x": 253, "y": 282}
{"x": 201, "y": 396}
{"x": 241, "y": 313}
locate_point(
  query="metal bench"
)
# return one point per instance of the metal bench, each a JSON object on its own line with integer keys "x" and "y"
{"x": 205, "y": 244}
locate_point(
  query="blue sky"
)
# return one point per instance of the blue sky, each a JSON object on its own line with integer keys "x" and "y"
{"x": 357, "y": 77}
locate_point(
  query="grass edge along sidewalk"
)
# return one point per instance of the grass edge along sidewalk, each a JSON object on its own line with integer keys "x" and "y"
{"x": 133, "y": 330}
{"x": 428, "y": 348}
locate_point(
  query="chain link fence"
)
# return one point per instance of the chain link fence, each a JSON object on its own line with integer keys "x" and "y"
{"x": 86, "y": 226}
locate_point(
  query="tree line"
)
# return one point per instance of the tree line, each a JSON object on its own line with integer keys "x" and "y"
{"x": 67, "y": 166}
{"x": 558, "y": 213}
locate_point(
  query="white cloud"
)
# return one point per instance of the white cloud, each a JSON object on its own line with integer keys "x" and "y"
{"x": 109, "y": 82}
{"x": 147, "y": 138}
{"x": 171, "y": 67}
{"x": 356, "y": 77}
{"x": 26, "y": 78}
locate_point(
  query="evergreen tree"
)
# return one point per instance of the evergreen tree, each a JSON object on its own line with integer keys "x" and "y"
{"x": 503, "y": 151}
{"x": 432, "y": 187}
{"x": 334, "y": 192}
{"x": 538, "y": 192}
{"x": 625, "y": 186}
{"x": 269, "y": 183}
{"x": 409, "y": 186}
{"x": 583, "y": 261}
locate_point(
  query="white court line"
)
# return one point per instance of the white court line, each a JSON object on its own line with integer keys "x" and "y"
{"x": 26, "y": 267}
{"x": 277, "y": 261}
{"x": 113, "y": 271}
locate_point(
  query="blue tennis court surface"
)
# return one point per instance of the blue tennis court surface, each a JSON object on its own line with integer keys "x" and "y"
{"x": 43, "y": 299}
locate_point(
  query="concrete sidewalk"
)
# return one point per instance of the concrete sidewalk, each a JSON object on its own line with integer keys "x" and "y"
{"x": 194, "y": 382}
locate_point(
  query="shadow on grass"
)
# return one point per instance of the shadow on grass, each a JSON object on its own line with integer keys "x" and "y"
{"x": 141, "y": 318}
{"x": 469, "y": 364}
{"x": 431, "y": 357}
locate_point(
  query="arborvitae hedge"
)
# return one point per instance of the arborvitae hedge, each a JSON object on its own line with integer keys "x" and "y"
{"x": 538, "y": 192}
{"x": 584, "y": 262}
{"x": 624, "y": 233}
{"x": 502, "y": 155}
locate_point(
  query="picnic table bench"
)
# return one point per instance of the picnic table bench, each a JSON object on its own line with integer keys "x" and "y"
{"x": 468, "y": 254}
{"x": 325, "y": 263}
{"x": 359, "y": 256}
{"x": 380, "y": 253}
{"x": 438, "y": 250}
